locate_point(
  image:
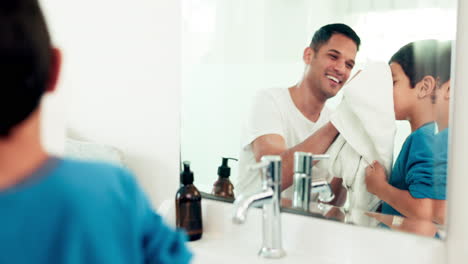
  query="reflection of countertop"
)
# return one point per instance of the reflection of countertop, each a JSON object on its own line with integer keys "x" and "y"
{"x": 354, "y": 217}
{"x": 285, "y": 206}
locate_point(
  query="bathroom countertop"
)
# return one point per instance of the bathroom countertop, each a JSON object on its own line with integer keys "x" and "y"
{"x": 304, "y": 239}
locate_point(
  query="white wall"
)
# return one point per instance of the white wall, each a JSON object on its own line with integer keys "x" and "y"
{"x": 457, "y": 235}
{"x": 120, "y": 82}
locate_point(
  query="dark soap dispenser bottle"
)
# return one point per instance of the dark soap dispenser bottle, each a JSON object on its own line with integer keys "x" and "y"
{"x": 188, "y": 205}
{"x": 223, "y": 186}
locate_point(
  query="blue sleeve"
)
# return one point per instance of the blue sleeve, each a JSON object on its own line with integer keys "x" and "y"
{"x": 420, "y": 167}
{"x": 440, "y": 163}
{"x": 440, "y": 178}
{"x": 160, "y": 243}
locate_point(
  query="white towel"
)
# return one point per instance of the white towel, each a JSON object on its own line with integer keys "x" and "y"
{"x": 92, "y": 151}
{"x": 365, "y": 119}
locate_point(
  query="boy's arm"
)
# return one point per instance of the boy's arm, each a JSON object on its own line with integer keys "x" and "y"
{"x": 401, "y": 200}
{"x": 404, "y": 203}
{"x": 160, "y": 243}
{"x": 440, "y": 208}
{"x": 424, "y": 228}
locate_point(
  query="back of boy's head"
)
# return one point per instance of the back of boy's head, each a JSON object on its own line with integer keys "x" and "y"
{"x": 25, "y": 59}
{"x": 424, "y": 57}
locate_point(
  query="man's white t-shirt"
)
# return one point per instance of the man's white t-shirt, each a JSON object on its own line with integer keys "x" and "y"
{"x": 273, "y": 112}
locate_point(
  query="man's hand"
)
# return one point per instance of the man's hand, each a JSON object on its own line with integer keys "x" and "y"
{"x": 376, "y": 180}
{"x": 274, "y": 144}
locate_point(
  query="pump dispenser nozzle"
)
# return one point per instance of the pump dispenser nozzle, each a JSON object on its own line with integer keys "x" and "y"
{"x": 224, "y": 171}
{"x": 223, "y": 187}
{"x": 186, "y": 176}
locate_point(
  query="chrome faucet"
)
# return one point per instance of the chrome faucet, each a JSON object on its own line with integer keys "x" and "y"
{"x": 304, "y": 182}
{"x": 269, "y": 199}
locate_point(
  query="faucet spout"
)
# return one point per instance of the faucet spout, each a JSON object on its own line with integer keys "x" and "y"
{"x": 243, "y": 203}
{"x": 322, "y": 187}
{"x": 269, "y": 199}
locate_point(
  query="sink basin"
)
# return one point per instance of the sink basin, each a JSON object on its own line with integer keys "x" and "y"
{"x": 305, "y": 240}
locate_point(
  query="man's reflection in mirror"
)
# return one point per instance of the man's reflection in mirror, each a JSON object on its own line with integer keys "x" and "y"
{"x": 415, "y": 188}
{"x": 286, "y": 120}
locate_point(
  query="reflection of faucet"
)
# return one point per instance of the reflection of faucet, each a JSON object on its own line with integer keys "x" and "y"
{"x": 304, "y": 183}
{"x": 269, "y": 199}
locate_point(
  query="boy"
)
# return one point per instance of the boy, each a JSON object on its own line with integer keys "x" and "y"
{"x": 417, "y": 70}
{"x": 56, "y": 210}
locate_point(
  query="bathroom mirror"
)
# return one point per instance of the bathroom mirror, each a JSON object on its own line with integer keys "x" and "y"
{"x": 233, "y": 49}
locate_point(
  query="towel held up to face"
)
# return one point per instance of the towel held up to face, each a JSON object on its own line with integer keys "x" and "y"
{"x": 365, "y": 119}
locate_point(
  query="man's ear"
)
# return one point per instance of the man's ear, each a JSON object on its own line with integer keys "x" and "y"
{"x": 309, "y": 53}
{"x": 426, "y": 86}
{"x": 54, "y": 72}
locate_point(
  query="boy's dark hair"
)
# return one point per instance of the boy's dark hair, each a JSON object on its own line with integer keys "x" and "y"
{"x": 25, "y": 58}
{"x": 324, "y": 33}
{"x": 444, "y": 61}
{"x": 425, "y": 57}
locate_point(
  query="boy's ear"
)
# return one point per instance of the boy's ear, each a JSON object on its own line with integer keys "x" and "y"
{"x": 426, "y": 86}
{"x": 54, "y": 71}
{"x": 309, "y": 53}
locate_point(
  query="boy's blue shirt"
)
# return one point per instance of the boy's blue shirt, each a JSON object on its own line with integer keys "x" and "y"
{"x": 414, "y": 168}
{"x": 81, "y": 212}
{"x": 440, "y": 163}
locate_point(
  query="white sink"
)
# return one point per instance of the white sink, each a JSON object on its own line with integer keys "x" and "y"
{"x": 305, "y": 240}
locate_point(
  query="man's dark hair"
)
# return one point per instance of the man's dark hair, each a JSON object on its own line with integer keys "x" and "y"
{"x": 322, "y": 35}
{"x": 425, "y": 57}
{"x": 25, "y": 60}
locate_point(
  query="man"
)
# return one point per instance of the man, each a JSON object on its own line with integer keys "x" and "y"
{"x": 57, "y": 210}
{"x": 292, "y": 119}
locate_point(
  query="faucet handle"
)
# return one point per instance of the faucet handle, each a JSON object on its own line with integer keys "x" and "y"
{"x": 271, "y": 170}
{"x": 258, "y": 166}
{"x": 320, "y": 156}
{"x": 303, "y": 161}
